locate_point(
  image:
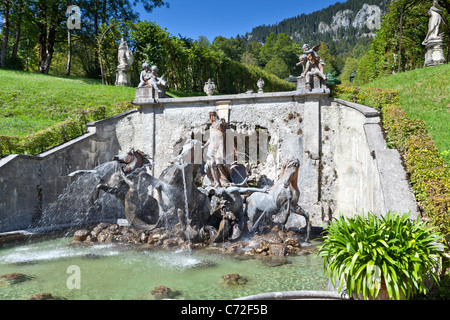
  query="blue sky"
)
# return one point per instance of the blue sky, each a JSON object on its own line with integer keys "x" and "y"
{"x": 212, "y": 18}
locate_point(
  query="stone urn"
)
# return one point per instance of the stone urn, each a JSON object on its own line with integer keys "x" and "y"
{"x": 260, "y": 84}
{"x": 209, "y": 87}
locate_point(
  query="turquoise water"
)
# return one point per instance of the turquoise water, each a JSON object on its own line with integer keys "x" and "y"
{"x": 115, "y": 272}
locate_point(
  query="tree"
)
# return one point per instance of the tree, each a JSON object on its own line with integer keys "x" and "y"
{"x": 277, "y": 67}
{"x": 351, "y": 66}
{"x": 329, "y": 60}
{"x": 249, "y": 59}
{"x": 231, "y": 47}
{"x": 5, "y": 31}
{"x": 282, "y": 47}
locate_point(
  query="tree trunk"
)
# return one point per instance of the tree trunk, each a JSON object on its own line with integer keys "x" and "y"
{"x": 69, "y": 53}
{"x": 18, "y": 29}
{"x": 400, "y": 45}
{"x": 42, "y": 26}
{"x": 5, "y": 33}
{"x": 50, "y": 48}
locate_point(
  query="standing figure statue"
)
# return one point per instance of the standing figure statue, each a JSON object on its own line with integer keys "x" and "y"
{"x": 215, "y": 152}
{"x": 434, "y": 24}
{"x": 125, "y": 55}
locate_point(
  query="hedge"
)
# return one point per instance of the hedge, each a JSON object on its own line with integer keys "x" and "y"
{"x": 62, "y": 132}
{"x": 429, "y": 174}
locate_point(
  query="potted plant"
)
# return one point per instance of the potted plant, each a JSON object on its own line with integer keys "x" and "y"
{"x": 371, "y": 255}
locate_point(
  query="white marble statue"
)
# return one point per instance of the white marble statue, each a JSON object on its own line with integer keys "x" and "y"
{"x": 434, "y": 24}
{"x": 150, "y": 78}
{"x": 125, "y": 55}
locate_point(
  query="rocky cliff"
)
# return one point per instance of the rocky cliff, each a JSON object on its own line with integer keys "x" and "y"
{"x": 353, "y": 18}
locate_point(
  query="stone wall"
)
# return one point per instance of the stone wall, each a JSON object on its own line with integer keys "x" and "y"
{"x": 344, "y": 164}
{"x": 30, "y": 184}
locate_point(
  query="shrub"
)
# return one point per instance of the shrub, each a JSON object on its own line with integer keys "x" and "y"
{"x": 62, "y": 132}
{"x": 362, "y": 252}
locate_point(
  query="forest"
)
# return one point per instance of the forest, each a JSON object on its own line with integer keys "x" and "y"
{"x": 35, "y": 37}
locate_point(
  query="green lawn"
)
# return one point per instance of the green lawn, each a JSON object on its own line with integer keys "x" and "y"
{"x": 30, "y": 102}
{"x": 425, "y": 94}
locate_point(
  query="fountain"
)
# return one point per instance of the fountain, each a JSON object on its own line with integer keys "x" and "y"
{"x": 222, "y": 209}
{"x": 183, "y": 192}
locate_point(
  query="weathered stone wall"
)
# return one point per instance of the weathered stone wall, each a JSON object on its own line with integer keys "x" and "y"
{"x": 344, "y": 164}
{"x": 30, "y": 184}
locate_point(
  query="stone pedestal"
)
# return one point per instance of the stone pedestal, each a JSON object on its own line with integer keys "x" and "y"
{"x": 314, "y": 83}
{"x": 435, "y": 53}
{"x": 123, "y": 77}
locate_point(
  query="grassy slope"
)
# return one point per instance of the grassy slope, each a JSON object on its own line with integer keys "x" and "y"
{"x": 30, "y": 102}
{"x": 425, "y": 94}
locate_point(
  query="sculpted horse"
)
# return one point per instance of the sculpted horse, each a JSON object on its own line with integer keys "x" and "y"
{"x": 130, "y": 161}
{"x": 280, "y": 200}
{"x": 176, "y": 187}
{"x": 126, "y": 185}
{"x": 228, "y": 203}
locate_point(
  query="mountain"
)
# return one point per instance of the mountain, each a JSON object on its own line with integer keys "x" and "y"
{"x": 349, "y": 21}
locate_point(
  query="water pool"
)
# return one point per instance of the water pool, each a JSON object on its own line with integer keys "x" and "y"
{"x": 112, "y": 272}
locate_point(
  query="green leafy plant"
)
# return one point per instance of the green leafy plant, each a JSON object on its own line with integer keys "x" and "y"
{"x": 366, "y": 252}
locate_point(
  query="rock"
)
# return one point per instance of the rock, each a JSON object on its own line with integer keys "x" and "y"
{"x": 143, "y": 237}
{"x": 104, "y": 237}
{"x": 233, "y": 279}
{"x": 193, "y": 235}
{"x": 81, "y": 235}
{"x": 205, "y": 264}
{"x": 275, "y": 261}
{"x": 292, "y": 242}
{"x": 13, "y": 278}
{"x": 223, "y": 232}
{"x": 42, "y": 296}
{"x": 277, "y": 249}
{"x": 273, "y": 238}
{"x": 99, "y": 228}
{"x": 162, "y": 292}
{"x": 114, "y": 229}
{"x": 170, "y": 243}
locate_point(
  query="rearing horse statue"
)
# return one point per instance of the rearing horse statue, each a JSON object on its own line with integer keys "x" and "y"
{"x": 284, "y": 193}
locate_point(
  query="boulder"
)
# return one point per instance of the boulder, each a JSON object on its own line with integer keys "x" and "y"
{"x": 233, "y": 279}
{"x": 277, "y": 249}
{"x": 162, "y": 292}
{"x": 81, "y": 235}
{"x": 42, "y": 296}
{"x": 13, "y": 278}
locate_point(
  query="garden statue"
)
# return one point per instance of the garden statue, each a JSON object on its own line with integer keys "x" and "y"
{"x": 433, "y": 41}
{"x": 125, "y": 57}
{"x": 313, "y": 68}
{"x": 209, "y": 87}
{"x": 434, "y": 24}
{"x": 215, "y": 152}
{"x": 150, "y": 78}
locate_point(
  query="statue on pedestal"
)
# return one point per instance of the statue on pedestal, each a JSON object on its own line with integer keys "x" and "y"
{"x": 125, "y": 57}
{"x": 150, "y": 78}
{"x": 312, "y": 75}
{"x": 433, "y": 41}
{"x": 434, "y": 24}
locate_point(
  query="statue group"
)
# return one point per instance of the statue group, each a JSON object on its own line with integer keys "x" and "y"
{"x": 313, "y": 68}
